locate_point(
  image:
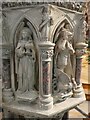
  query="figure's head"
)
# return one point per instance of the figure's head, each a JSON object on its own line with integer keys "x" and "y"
{"x": 63, "y": 34}
{"x": 25, "y": 33}
{"x": 67, "y": 26}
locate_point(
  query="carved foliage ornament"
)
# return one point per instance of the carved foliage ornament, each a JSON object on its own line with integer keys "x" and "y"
{"x": 46, "y": 54}
{"x": 80, "y": 52}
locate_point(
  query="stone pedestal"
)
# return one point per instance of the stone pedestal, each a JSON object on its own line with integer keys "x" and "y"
{"x": 33, "y": 111}
{"x": 45, "y": 91}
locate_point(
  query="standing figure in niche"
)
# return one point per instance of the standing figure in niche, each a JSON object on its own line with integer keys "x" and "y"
{"x": 63, "y": 50}
{"x": 25, "y": 61}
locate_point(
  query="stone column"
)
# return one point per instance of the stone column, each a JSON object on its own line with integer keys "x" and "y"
{"x": 45, "y": 83}
{"x": 6, "y": 73}
{"x": 80, "y": 51}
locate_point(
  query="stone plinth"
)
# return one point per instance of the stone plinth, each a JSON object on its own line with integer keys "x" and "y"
{"x": 33, "y": 111}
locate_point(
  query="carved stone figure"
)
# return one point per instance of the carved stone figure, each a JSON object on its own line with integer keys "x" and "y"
{"x": 30, "y": 60}
{"x": 25, "y": 61}
{"x": 46, "y": 22}
{"x": 63, "y": 50}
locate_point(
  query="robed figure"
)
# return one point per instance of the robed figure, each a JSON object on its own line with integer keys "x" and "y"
{"x": 25, "y": 61}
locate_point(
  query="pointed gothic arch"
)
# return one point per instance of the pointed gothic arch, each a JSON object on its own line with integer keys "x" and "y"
{"x": 66, "y": 19}
{"x": 61, "y": 24}
{"x": 17, "y": 27}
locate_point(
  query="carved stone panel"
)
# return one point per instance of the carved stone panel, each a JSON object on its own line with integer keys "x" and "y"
{"x": 25, "y": 62}
{"x": 42, "y": 66}
{"x": 63, "y": 69}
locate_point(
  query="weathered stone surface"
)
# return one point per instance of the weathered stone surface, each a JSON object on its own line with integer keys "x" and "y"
{"x": 73, "y": 5}
{"x": 45, "y": 42}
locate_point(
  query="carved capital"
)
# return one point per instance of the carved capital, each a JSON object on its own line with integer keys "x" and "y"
{"x": 80, "y": 49}
{"x": 46, "y": 54}
{"x": 46, "y": 50}
{"x": 80, "y": 52}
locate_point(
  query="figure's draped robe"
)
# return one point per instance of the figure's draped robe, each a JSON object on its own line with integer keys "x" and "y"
{"x": 24, "y": 69}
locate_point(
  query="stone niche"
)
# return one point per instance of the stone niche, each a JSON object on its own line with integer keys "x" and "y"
{"x": 42, "y": 49}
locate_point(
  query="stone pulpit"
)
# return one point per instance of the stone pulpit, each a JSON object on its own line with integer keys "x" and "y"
{"x": 42, "y": 48}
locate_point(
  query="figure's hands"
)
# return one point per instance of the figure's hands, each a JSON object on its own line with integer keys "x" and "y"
{"x": 20, "y": 52}
{"x": 28, "y": 45}
{"x": 69, "y": 46}
{"x": 22, "y": 45}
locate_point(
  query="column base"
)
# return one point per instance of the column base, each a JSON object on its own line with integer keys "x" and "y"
{"x": 46, "y": 103}
{"x": 6, "y": 114}
{"x": 8, "y": 95}
{"x": 78, "y": 92}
